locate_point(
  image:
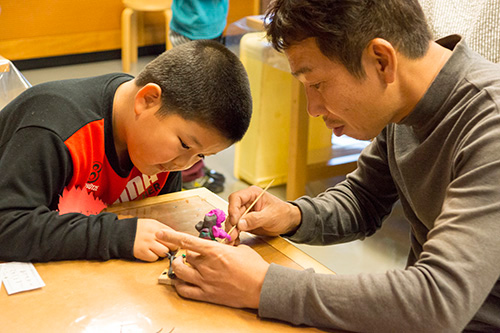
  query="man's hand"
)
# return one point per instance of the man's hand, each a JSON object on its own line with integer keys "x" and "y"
{"x": 217, "y": 273}
{"x": 269, "y": 216}
{"x": 146, "y": 246}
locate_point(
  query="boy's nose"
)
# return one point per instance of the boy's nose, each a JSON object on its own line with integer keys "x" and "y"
{"x": 186, "y": 161}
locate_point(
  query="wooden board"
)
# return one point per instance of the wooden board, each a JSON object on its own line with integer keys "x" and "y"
{"x": 182, "y": 210}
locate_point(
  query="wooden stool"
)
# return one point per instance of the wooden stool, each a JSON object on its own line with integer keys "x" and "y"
{"x": 129, "y": 26}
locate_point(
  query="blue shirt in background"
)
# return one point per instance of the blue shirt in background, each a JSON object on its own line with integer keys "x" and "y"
{"x": 199, "y": 19}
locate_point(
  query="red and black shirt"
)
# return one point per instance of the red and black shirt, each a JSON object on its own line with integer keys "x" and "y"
{"x": 58, "y": 136}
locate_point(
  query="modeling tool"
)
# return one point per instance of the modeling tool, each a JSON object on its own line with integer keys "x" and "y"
{"x": 250, "y": 207}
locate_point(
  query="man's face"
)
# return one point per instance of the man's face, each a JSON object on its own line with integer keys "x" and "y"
{"x": 171, "y": 143}
{"x": 348, "y": 105}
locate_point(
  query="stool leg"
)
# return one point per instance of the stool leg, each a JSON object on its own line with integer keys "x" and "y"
{"x": 168, "y": 18}
{"x": 126, "y": 38}
{"x": 134, "y": 39}
{"x": 299, "y": 135}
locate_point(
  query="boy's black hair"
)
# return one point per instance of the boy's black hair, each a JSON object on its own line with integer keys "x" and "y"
{"x": 203, "y": 81}
{"x": 343, "y": 28}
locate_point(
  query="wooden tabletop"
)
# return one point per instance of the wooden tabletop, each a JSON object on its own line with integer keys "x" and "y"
{"x": 124, "y": 296}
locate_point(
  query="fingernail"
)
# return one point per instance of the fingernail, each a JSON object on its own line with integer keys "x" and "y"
{"x": 242, "y": 225}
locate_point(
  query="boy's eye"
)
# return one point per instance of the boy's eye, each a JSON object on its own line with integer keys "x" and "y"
{"x": 185, "y": 146}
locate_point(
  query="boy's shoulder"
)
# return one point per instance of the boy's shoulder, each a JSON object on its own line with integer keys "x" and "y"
{"x": 64, "y": 105}
{"x": 84, "y": 85}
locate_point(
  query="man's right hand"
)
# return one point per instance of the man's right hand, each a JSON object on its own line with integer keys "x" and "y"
{"x": 269, "y": 216}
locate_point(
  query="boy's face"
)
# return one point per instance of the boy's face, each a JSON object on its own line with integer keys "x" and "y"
{"x": 348, "y": 105}
{"x": 170, "y": 143}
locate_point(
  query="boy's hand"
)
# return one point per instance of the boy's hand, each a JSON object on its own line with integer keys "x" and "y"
{"x": 146, "y": 246}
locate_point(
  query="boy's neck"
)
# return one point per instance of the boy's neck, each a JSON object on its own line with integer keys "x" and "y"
{"x": 123, "y": 105}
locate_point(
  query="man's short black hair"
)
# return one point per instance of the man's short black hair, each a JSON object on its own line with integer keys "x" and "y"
{"x": 343, "y": 28}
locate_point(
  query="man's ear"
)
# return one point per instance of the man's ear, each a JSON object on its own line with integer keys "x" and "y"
{"x": 149, "y": 96}
{"x": 382, "y": 56}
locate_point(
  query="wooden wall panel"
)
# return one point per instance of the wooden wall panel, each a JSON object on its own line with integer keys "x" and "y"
{"x": 44, "y": 28}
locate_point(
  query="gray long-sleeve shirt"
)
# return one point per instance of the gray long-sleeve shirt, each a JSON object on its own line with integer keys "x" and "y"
{"x": 443, "y": 163}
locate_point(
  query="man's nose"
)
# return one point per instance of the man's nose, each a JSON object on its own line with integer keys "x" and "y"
{"x": 315, "y": 105}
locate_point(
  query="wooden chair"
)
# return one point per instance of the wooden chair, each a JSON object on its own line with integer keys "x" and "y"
{"x": 129, "y": 26}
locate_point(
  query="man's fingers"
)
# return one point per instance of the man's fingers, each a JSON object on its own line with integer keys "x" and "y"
{"x": 188, "y": 290}
{"x": 240, "y": 201}
{"x": 186, "y": 241}
{"x": 170, "y": 246}
{"x": 185, "y": 272}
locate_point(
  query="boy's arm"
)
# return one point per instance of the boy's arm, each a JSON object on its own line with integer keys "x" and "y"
{"x": 35, "y": 167}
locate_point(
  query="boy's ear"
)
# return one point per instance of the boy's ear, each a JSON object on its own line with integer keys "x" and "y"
{"x": 381, "y": 54}
{"x": 149, "y": 96}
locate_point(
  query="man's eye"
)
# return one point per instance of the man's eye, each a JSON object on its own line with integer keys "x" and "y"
{"x": 315, "y": 86}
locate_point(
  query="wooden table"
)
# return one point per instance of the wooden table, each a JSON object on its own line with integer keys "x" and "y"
{"x": 124, "y": 296}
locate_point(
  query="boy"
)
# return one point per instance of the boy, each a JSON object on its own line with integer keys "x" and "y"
{"x": 119, "y": 139}
{"x": 195, "y": 20}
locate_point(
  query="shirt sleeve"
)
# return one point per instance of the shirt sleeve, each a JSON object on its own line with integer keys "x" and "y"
{"x": 454, "y": 275}
{"x": 35, "y": 168}
{"x": 355, "y": 208}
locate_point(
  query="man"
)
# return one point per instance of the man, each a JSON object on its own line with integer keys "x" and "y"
{"x": 371, "y": 70}
{"x": 67, "y": 146}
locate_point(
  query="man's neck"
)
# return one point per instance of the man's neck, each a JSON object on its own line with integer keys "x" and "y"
{"x": 417, "y": 75}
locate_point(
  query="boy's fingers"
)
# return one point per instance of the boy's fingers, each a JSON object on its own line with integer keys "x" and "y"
{"x": 186, "y": 241}
{"x": 148, "y": 255}
{"x": 160, "y": 249}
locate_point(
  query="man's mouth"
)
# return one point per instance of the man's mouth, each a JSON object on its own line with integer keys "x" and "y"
{"x": 338, "y": 131}
{"x": 335, "y": 127}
